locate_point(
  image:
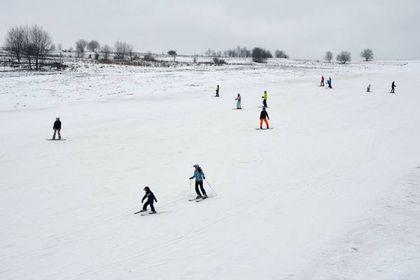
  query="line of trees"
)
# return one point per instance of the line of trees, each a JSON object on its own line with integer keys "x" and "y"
{"x": 345, "y": 56}
{"x": 238, "y": 52}
{"x": 28, "y": 42}
{"x": 258, "y": 54}
{"x": 121, "y": 50}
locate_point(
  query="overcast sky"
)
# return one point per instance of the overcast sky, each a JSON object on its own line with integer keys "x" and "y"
{"x": 303, "y": 28}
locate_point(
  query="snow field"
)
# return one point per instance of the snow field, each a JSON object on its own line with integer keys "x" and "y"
{"x": 330, "y": 193}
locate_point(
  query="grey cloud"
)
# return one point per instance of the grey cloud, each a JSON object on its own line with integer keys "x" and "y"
{"x": 305, "y": 29}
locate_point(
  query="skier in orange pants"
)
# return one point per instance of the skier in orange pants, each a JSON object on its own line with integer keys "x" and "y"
{"x": 263, "y": 118}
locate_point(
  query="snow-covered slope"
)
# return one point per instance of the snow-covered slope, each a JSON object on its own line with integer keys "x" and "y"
{"x": 332, "y": 192}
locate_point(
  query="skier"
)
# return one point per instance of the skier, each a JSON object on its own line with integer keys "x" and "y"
{"x": 393, "y": 86}
{"x": 217, "y": 91}
{"x": 57, "y": 128}
{"x": 329, "y": 82}
{"x": 265, "y": 97}
{"x": 368, "y": 88}
{"x": 238, "y": 102}
{"x": 199, "y": 177}
{"x": 322, "y": 81}
{"x": 263, "y": 118}
{"x": 150, "y": 200}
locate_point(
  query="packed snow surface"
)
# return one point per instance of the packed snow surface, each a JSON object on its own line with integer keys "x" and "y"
{"x": 331, "y": 192}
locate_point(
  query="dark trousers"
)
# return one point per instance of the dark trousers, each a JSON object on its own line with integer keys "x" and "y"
{"x": 149, "y": 202}
{"x": 55, "y": 131}
{"x": 392, "y": 90}
{"x": 197, "y": 189}
{"x": 265, "y": 103}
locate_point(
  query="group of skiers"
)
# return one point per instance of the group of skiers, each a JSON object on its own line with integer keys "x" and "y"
{"x": 329, "y": 82}
{"x": 199, "y": 189}
{"x": 393, "y": 86}
{"x": 368, "y": 89}
{"x": 198, "y": 175}
{"x": 263, "y": 115}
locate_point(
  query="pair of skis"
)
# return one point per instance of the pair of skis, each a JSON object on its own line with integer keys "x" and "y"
{"x": 145, "y": 213}
{"x": 197, "y": 199}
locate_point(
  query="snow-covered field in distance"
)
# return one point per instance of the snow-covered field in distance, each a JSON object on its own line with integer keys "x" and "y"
{"x": 332, "y": 192}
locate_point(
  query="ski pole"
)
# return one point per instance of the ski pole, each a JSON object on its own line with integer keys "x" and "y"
{"x": 215, "y": 193}
{"x": 190, "y": 187}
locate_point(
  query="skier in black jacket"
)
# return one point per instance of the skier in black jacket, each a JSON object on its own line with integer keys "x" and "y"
{"x": 57, "y": 128}
{"x": 393, "y": 86}
{"x": 263, "y": 118}
{"x": 150, "y": 200}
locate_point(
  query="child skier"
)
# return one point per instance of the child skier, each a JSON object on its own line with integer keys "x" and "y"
{"x": 57, "y": 128}
{"x": 238, "y": 102}
{"x": 265, "y": 97}
{"x": 322, "y": 82}
{"x": 263, "y": 118}
{"x": 217, "y": 91}
{"x": 150, "y": 200}
{"x": 368, "y": 88}
{"x": 199, "y": 177}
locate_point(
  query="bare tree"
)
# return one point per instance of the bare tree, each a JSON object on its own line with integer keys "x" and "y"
{"x": 93, "y": 46}
{"x": 280, "y": 54}
{"x": 173, "y": 54}
{"x": 367, "y": 54}
{"x": 80, "y": 47}
{"x": 260, "y": 55}
{"x": 343, "y": 57}
{"x": 120, "y": 49}
{"x": 40, "y": 44}
{"x": 130, "y": 52}
{"x": 328, "y": 56}
{"x": 106, "y": 51}
{"x": 237, "y": 52}
{"x": 16, "y": 41}
{"x": 149, "y": 57}
{"x": 210, "y": 52}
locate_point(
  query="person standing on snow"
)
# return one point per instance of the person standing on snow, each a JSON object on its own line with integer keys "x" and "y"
{"x": 57, "y": 128}
{"x": 217, "y": 91}
{"x": 393, "y": 86}
{"x": 150, "y": 200}
{"x": 199, "y": 177}
{"x": 329, "y": 82}
{"x": 265, "y": 97}
{"x": 322, "y": 82}
{"x": 263, "y": 118}
{"x": 238, "y": 102}
{"x": 368, "y": 88}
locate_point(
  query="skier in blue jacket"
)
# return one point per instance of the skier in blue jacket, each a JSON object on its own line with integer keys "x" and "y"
{"x": 199, "y": 177}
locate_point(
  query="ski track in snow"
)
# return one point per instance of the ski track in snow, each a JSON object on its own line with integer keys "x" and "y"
{"x": 331, "y": 193}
